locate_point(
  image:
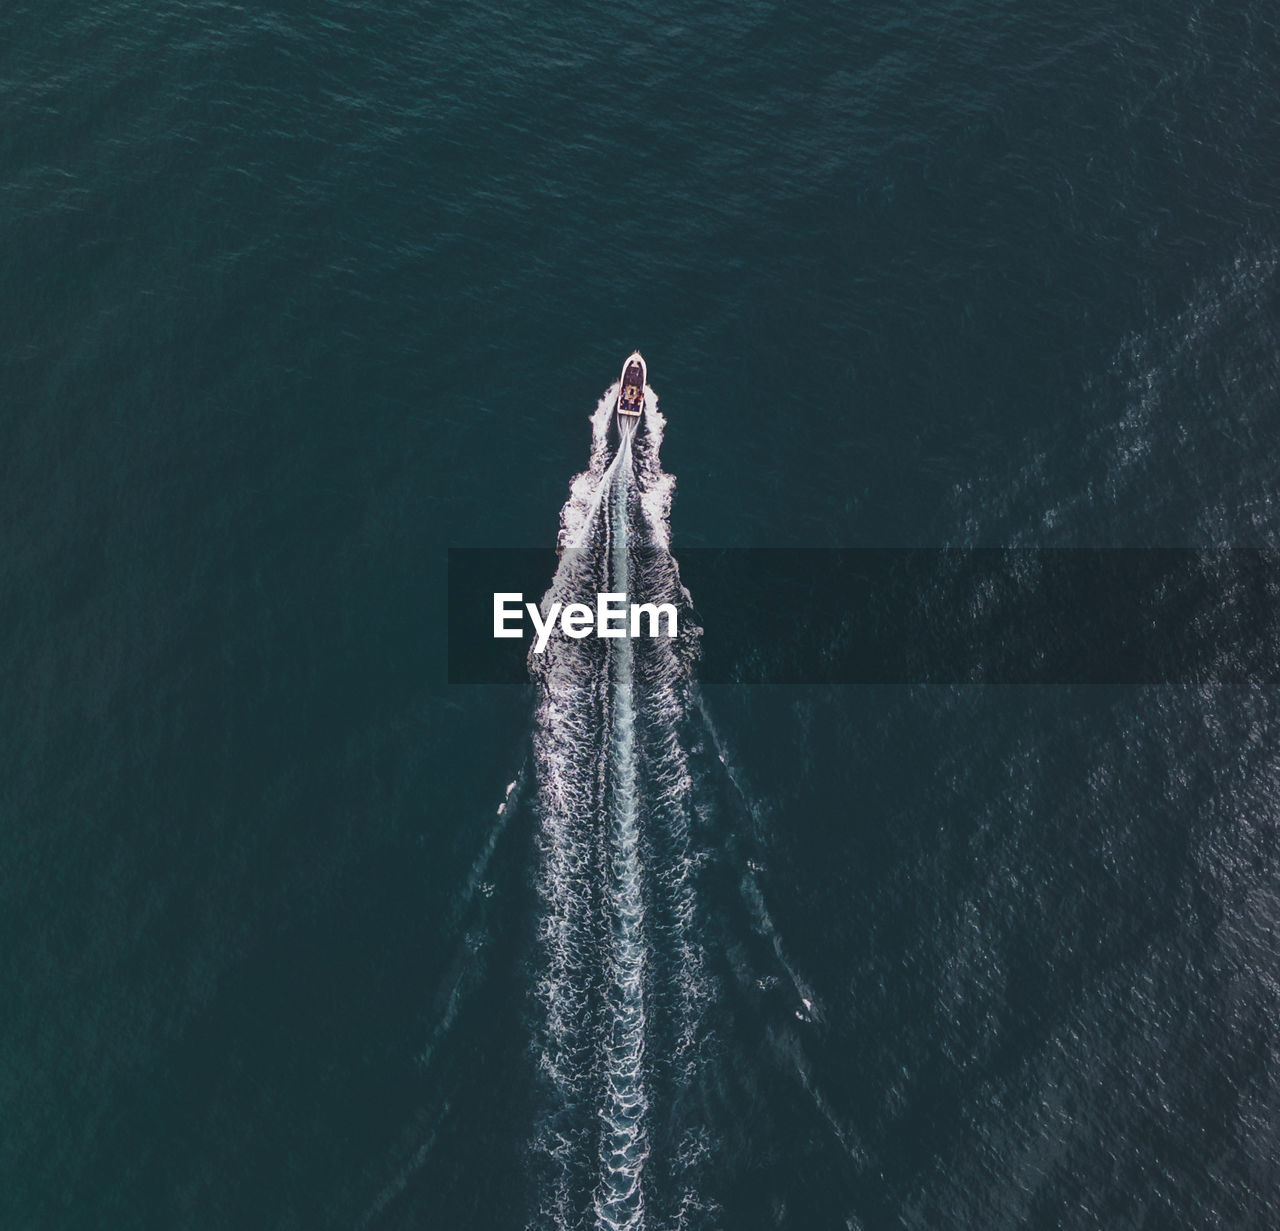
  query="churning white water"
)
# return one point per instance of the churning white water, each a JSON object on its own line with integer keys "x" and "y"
{"x": 615, "y": 869}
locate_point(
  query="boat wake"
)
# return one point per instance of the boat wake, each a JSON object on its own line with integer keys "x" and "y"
{"x": 621, "y": 986}
{"x": 645, "y": 895}
{"x": 663, "y": 999}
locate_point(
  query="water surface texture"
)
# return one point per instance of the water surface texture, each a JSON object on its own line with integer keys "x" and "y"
{"x": 295, "y": 297}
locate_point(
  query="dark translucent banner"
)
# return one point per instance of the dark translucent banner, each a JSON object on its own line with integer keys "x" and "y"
{"x": 918, "y": 616}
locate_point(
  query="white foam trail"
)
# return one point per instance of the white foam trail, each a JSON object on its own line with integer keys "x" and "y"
{"x": 617, "y": 929}
{"x": 573, "y": 782}
{"x": 619, "y": 1201}
{"x": 587, "y": 489}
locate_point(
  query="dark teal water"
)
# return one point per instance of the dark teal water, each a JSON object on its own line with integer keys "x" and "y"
{"x": 293, "y": 298}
